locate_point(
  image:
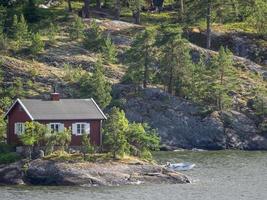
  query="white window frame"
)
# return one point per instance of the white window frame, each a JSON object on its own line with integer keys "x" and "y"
{"x": 81, "y": 127}
{"x": 19, "y": 128}
{"x": 52, "y": 130}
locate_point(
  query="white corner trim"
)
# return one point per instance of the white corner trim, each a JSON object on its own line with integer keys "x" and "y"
{"x": 99, "y": 108}
{"x": 24, "y": 108}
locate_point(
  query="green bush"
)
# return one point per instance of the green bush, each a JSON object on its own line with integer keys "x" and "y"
{"x": 10, "y": 157}
{"x": 52, "y": 32}
{"x": 37, "y": 44}
{"x": 19, "y": 31}
{"x": 93, "y": 38}
{"x": 3, "y": 40}
{"x": 5, "y": 148}
{"x": 109, "y": 50}
{"x": 76, "y": 30}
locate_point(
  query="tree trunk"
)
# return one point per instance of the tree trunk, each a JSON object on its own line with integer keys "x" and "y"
{"x": 86, "y": 8}
{"x": 117, "y": 10}
{"x": 208, "y": 25}
{"x": 145, "y": 69}
{"x": 69, "y": 6}
{"x": 136, "y": 16}
{"x": 98, "y": 4}
{"x": 222, "y": 83}
{"x": 170, "y": 85}
{"x": 235, "y": 7}
{"x": 182, "y": 10}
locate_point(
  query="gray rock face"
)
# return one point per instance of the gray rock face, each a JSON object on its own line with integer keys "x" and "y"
{"x": 45, "y": 172}
{"x": 12, "y": 174}
{"x": 243, "y": 45}
{"x": 181, "y": 124}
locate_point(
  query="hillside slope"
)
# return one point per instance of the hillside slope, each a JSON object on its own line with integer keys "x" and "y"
{"x": 180, "y": 122}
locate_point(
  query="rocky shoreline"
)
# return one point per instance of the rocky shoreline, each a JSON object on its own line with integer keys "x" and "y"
{"x": 48, "y": 172}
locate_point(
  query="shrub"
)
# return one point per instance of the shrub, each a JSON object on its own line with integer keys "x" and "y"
{"x": 114, "y": 132}
{"x": 33, "y": 134}
{"x": 93, "y": 38}
{"x": 52, "y": 32}
{"x": 87, "y": 147}
{"x": 96, "y": 86}
{"x": 5, "y": 103}
{"x": 142, "y": 139}
{"x": 37, "y": 45}
{"x": 71, "y": 74}
{"x": 63, "y": 138}
{"x": 76, "y": 30}
{"x": 20, "y": 31}
{"x": 2, "y": 129}
{"x": 109, "y": 50}
{"x": 3, "y": 40}
{"x": 5, "y": 148}
{"x": 6, "y": 158}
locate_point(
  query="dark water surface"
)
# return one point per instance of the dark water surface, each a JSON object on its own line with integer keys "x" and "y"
{"x": 218, "y": 175}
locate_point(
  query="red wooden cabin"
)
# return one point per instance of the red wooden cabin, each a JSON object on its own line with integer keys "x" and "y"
{"x": 81, "y": 115}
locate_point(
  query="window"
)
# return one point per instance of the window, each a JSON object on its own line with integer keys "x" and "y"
{"x": 80, "y": 128}
{"x": 55, "y": 127}
{"x": 19, "y": 128}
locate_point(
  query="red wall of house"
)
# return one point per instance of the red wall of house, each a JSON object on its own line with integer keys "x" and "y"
{"x": 95, "y": 130}
{"x": 19, "y": 115}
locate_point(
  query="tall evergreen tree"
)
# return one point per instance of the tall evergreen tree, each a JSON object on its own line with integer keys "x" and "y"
{"x": 20, "y": 31}
{"x": 175, "y": 60}
{"x": 140, "y": 58}
{"x": 258, "y": 17}
{"x": 142, "y": 139}
{"x": 77, "y": 27}
{"x": 222, "y": 65}
{"x": 115, "y": 129}
{"x": 86, "y": 8}
{"x": 96, "y": 86}
{"x": 135, "y": 6}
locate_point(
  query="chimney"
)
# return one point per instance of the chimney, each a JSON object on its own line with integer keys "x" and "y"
{"x": 55, "y": 96}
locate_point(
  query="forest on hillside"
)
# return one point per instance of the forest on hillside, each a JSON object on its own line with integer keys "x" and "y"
{"x": 208, "y": 52}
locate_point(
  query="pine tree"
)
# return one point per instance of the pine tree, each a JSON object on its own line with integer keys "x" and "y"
{"x": 77, "y": 27}
{"x": 259, "y": 16}
{"x": 222, "y": 84}
{"x": 199, "y": 90}
{"x": 175, "y": 60}
{"x": 109, "y": 50}
{"x": 2, "y": 128}
{"x": 93, "y": 39}
{"x": 14, "y": 27}
{"x": 96, "y": 86}
{"x": 115, "y": 129}
{"x": 28, "y": 137}
{"x": 87, "y": 147}
{"x": 63, "y": 138}
{"x": 135, "y": 6}
{"x": 37, "y": 45}
{"x": 140, "y": 58}
{"x": 20, "y": 31}
{"x": 52, "y": 32}
{"x": 142, "y": 139}
{"x": 3, "y": 40}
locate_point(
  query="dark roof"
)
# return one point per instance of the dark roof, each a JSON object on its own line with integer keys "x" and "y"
{"x": 64, "y": 109}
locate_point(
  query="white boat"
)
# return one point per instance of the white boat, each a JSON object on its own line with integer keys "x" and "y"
{"x": 180, "y": 166}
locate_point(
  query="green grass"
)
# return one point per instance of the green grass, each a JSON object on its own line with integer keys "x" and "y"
{"x": 78, "y": 157}
{"x": 6, "y": 158}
